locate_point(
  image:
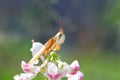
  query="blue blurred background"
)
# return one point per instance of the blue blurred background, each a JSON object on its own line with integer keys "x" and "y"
{"x": 92, "y": 29}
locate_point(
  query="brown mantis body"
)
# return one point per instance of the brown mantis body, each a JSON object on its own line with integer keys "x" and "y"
{"x": 52, "y": 44}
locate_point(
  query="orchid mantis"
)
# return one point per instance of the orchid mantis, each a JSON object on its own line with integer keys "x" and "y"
{"x": 53, "y": 43}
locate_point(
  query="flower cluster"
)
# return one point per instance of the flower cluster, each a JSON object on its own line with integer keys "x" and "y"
{"x": 51, "y": 67}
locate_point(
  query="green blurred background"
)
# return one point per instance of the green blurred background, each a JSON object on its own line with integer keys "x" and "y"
{"x": 92, "y": 29}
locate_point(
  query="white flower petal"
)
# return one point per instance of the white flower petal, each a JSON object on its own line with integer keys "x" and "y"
{"x": 52, "y": 68}
{"x": 63, "y": 68}
{"x": 36, "y": 46}
{"x": 17, "y": 77}
{"x": 24, "y": 76}
{"x": 23, "y": 63}
{"x": 80, "y": 74}
{"x": 74, "y": 64}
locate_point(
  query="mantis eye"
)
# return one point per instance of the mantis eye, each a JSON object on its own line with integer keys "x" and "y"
{"x": 61, "y": 39}
{"x": 60, "y": 36}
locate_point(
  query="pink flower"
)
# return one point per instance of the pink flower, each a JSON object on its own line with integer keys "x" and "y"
{"x": 74, "y": 66}
{"x": 29, "y": 68}
{"x": 74, "y": 73}
{"x": 36, "y": 46}
{"x": 63, "y": 68}
{"x": 52, "y": 72}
